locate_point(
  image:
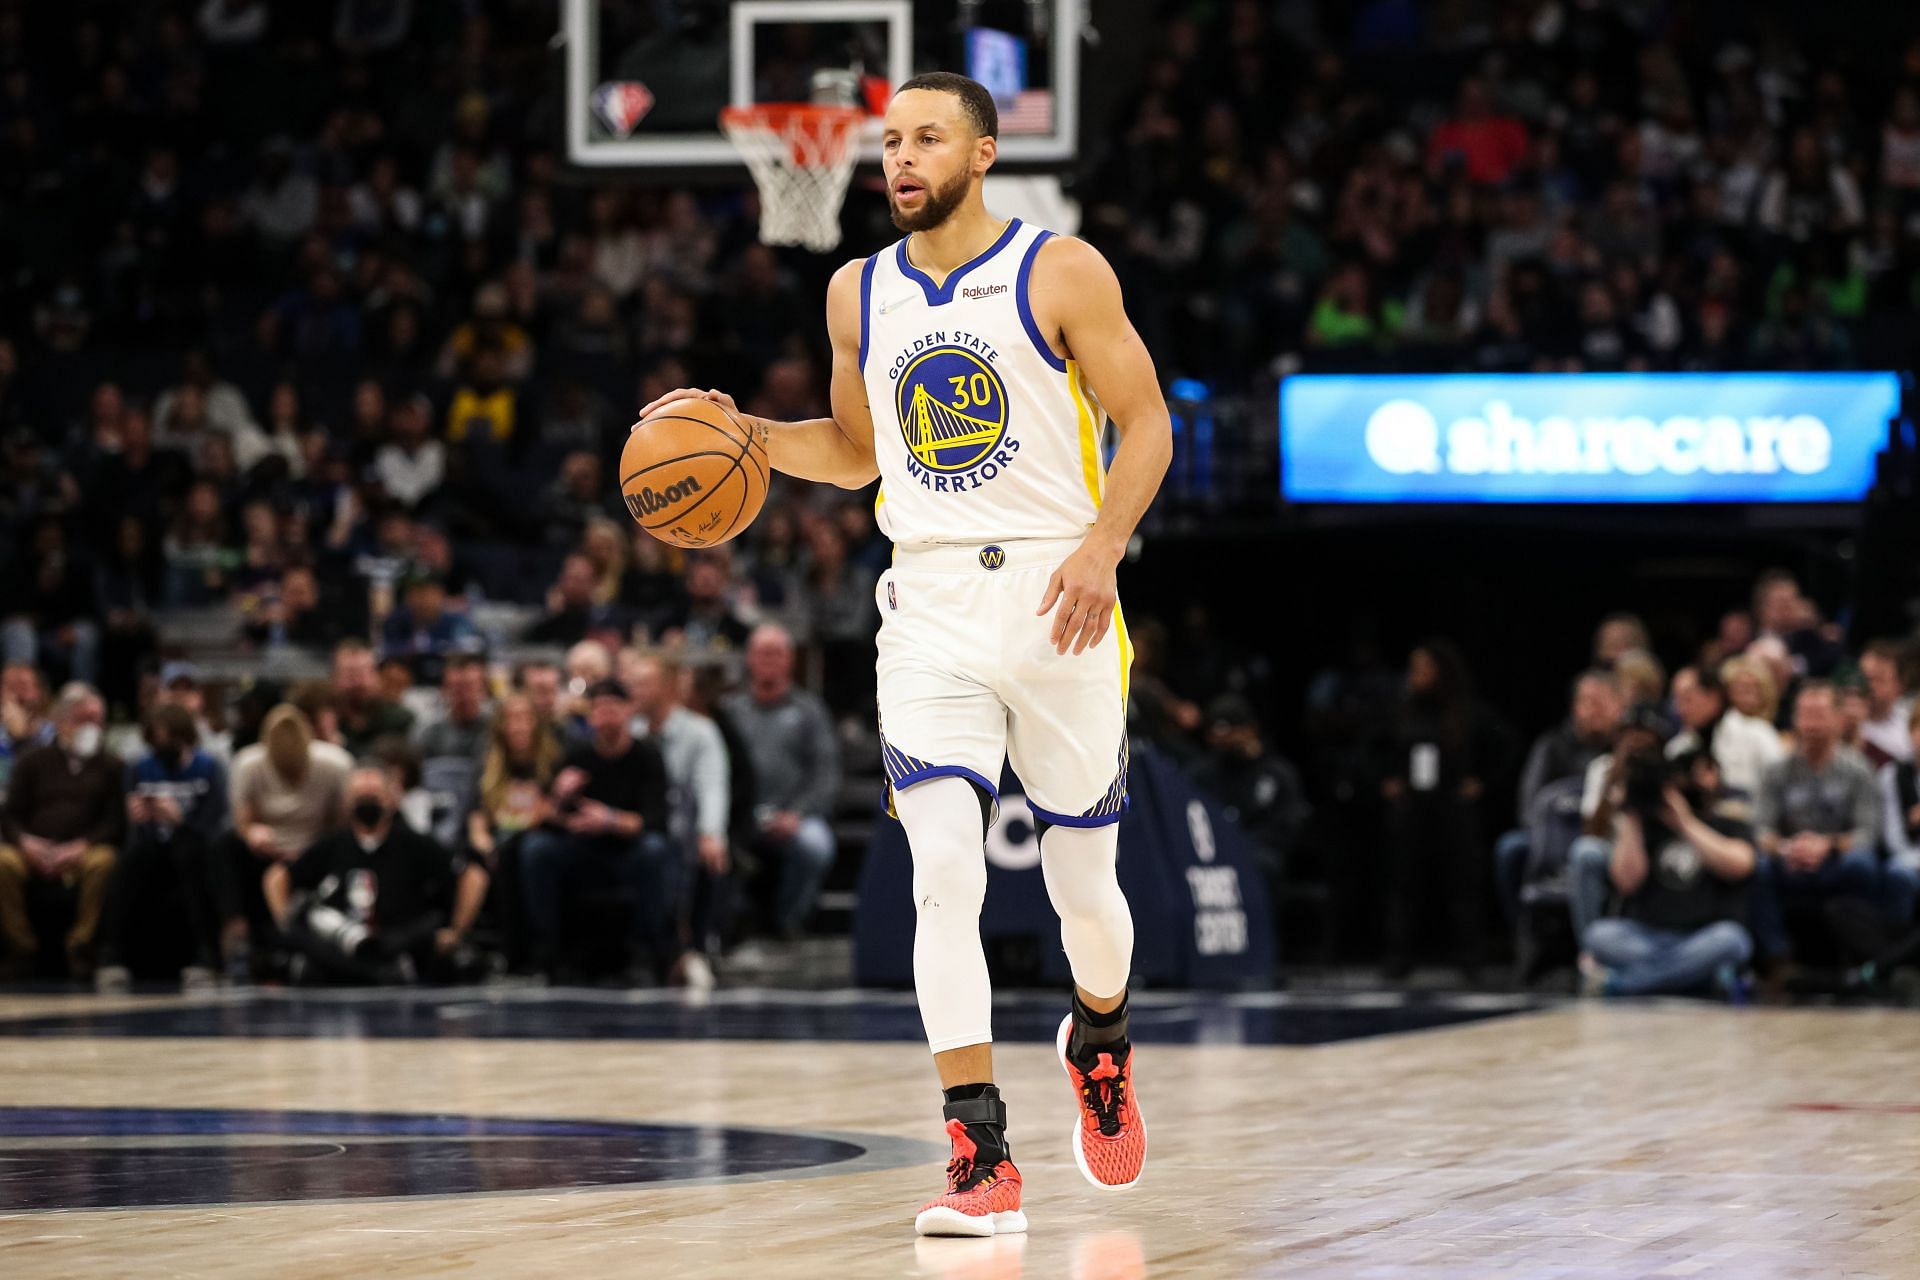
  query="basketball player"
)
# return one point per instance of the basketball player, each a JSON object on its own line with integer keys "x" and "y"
{"x": 991, "y": 353}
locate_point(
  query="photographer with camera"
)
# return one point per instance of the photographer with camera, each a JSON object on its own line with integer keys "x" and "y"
{"x": 1681, "y": 861}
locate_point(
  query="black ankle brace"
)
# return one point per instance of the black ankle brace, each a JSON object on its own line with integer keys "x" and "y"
{"x": 985, "y": 1116}
{"x": 1097, "y": 1030}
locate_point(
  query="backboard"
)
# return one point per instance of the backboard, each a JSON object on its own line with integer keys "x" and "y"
{"x": 646, "y": 79}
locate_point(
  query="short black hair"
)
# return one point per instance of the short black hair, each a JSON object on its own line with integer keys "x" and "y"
{"x": 972, "y": 94}
{"x": 608, "y": 688}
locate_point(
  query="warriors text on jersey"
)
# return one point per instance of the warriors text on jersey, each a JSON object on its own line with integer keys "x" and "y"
{"x": 980, "y": 430}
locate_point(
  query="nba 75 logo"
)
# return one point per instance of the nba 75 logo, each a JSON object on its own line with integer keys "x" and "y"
{"x": 650, "y": 501}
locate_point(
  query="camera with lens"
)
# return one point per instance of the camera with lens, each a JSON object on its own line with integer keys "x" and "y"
{"x": 1645, "y": 775}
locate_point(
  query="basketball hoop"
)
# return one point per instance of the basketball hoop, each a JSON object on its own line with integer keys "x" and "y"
{"x": 801, "y": 155}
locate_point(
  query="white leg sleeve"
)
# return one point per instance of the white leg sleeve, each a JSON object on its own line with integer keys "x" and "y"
{"x": 942, "y": 818}
{"x": 1095, "y": 925}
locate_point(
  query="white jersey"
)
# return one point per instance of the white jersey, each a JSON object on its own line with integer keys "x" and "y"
{"x": 982, "y": 433}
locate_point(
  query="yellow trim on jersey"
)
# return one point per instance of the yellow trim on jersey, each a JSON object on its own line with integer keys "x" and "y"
{"x": 1090, "y": 468}
{"x": 1126, "y": 653}
{"x": 879, "y": 500}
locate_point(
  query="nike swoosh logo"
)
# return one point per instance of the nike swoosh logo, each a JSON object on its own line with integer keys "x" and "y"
{"x": 895, "y": 304}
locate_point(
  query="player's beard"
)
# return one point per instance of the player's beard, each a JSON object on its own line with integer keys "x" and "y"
{"x": 937, "y": 208}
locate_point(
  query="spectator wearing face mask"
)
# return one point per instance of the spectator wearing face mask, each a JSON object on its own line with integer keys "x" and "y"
{"x": 376, "y": 901}
{"x": 64, "y": 821}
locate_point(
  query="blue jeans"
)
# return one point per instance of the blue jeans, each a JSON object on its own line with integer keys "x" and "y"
{"x": 1510, "y": 854}
{"x": 1899, "y": 892}
{"x": 1588, "y": 883}
{"x": 647, "y": 868}
{"x": 804, "y": 860}
{"x": 1777, "y": 890}
{"x": 1647, "y": 961}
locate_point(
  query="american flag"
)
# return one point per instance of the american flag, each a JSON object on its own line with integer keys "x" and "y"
{"x": 1031, "y": 111}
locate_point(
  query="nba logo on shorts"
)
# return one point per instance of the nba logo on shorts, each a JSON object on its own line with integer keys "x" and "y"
{"x": 893, "y": 601}
{"x": 992, "y": 557}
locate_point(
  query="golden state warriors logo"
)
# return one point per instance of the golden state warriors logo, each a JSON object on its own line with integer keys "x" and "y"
{"x": 953, "y": 408}
{"x": 992, "y": 557}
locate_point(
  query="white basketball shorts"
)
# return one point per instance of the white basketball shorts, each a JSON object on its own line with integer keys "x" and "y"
{"x": 969, "y": 678}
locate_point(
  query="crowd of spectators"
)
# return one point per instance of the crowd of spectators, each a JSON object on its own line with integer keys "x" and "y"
{"x": 1518, "y": 184}
{"x": 306, "y": 329}
{"x": 356, "y": 829}
{"x": 1757, "y": 808}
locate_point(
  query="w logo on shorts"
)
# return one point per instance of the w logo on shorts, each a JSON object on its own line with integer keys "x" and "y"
{"x": 992, "y": 557}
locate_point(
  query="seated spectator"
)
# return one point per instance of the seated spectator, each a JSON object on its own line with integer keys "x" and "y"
{"x": 1682, "y": 859}
{"x": 605, "y": 547}
{"x": 706, "y": 617}
{"x": 1817, "y": 818}
{"x": 47, "y": 607}
{"x": 365, "y": 713}
{"x": 376, "y": 901}
{"x": 839, "y": 618}
{"x": 64, "y": 821}
{"x": 423, "y": 631}
{"x": 650, "y": 586}
{"x": 571, "y": 609}
{"x": 608, "y": 817}
{"x": 521, "y": 758}
{"x": 23, "y": 716}
{"x": 1588, "y": 879}
{"x": 1618, "y": 634}
{"x": 412, "y": 466}
{"x": 1566, "y": 751}
{"x": 1740, "y": 745}
{"x": 1751, "y": 689}
{"x": 1883, "y": 737}
{"x": 450, "y": 747}
{"x": 796, "y": 772}
{"x": 541, "y": 683}
{"x": 1900, "y": 822}
{"x": 1258, "y": 790}
{"x": 1641, "y": 677}
{"x": 317, "y": 703}
{"x": 128, "y": 589}
{"x": 285, "y": 791}
{"x": 176, "y": 809}
{"x": 292, "y": 613}
{"x": 181, "y": 686}
{"x": 1479, "y": 140}
{"x": 696, "y": 758}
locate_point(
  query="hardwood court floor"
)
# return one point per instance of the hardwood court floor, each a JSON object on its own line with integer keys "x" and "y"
{"x": 1581, "y": 1140}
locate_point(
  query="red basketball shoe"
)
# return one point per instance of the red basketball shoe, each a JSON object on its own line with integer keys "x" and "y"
{"x": 979, "y": 1201}
{"x": 1110, "y": 1138}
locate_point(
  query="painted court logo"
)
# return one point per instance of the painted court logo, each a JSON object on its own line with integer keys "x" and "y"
{"x": 650, "y": 501}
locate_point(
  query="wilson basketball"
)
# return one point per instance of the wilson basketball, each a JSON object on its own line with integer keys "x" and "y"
{"x": 693, "y": 475}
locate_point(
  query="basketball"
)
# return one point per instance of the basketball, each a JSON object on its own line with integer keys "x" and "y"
{"x": 693, "y": 475}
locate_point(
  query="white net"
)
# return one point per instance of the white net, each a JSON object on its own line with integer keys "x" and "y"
{"x": 801, "y": 157}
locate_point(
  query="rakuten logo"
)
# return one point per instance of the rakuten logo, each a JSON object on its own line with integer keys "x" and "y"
{"x": 1403, "y": 438}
